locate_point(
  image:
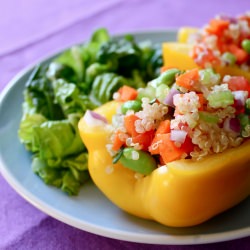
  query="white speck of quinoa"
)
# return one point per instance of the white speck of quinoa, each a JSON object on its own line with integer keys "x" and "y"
{"x": 163, "y": 169}
{"x": 109, "y": 169}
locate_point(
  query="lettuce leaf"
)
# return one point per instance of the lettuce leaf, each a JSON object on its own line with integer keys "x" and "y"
{"x": 59, "y": 92}
{"x": 81, "y": 56}
{"x": 70, "y": 98}
{"x": 56, "y": 140}
{"x": 72, "y": 174}
{"x": 25, "y": 132}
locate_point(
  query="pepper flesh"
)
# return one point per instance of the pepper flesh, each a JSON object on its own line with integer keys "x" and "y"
{"x": 183, "y": 193}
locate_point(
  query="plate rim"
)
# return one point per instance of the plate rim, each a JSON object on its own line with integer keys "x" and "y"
{"x": 91, "y": 227}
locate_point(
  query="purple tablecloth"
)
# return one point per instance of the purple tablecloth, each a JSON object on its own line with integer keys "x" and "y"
{"x": 30, "y": 30}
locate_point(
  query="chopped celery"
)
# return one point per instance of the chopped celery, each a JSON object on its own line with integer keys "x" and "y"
{"x": 209, "y": 77}
{"x": 148, "y": 92}
{"x": 220, "y": 99}
{"x": 229, "y": 58}
{"x": 208, "y": 117}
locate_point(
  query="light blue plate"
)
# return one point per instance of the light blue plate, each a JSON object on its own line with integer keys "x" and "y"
{"x": 91, "y": 211}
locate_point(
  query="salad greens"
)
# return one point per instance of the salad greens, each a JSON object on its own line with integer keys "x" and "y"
{"x": 58, "y": 93}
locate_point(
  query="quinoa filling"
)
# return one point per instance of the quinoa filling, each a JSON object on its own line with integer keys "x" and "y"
{"x": 182, "y": 115}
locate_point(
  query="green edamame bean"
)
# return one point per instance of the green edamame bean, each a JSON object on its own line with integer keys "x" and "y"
{"x": 229, "y": 58}
{"x": 131, "y": 105}
{"x": 138, "y": 160}
{"x": 167, "y": 78}
{"x": 246, "y": 45}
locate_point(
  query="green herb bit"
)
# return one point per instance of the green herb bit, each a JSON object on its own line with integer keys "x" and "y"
{"x": 117, "y": 156}
{"x": 208, "y": 117}
{"x": 247, "y": 106}
{"x": 244, "y": 124}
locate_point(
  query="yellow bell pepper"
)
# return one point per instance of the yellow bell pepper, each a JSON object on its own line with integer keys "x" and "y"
{"x": 177, "y": 54}
{"x": 183, "y": 193}
{"x": 185, "y": 33}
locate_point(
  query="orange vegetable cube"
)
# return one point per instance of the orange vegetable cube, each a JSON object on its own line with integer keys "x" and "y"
{"x": 127, "y": 93}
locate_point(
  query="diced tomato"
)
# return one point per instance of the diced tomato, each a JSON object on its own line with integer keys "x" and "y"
{"x": 239, "y": 83}
{"x": 187, "y": 146}
{"x": 144, "y": 139}
{"x": 240, "y": 54}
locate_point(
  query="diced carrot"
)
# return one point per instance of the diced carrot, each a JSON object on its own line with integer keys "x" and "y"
{"x": 129, "y": 123}
{"x": 144, "y": 139}
{"x": 127, "y": 93}
{"x": 117, "y": 143}
{"x": 217, "y": 26}
{"x": 188, "y": 79}
{"x": 202, "y": 100}
{"x": 168, "y": 150}
{"x": 240, "y": 54}
{"x": 154, "y": 147}
{"x": 164, "y": 127}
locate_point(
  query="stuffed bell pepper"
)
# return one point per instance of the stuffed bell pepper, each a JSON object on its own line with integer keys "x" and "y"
{"x": 176, "y": 151}
{"x": 223, "y": 44}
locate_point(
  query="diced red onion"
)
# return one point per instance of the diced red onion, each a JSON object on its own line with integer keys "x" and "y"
{"x": 178, "y": 135}
{"x": 94, "y": 119}
{"x": 232, "y": 125}
{"x": 228, "y": 18}
{"x": 170, "y": 96}
{"x": 240, "y": 97}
